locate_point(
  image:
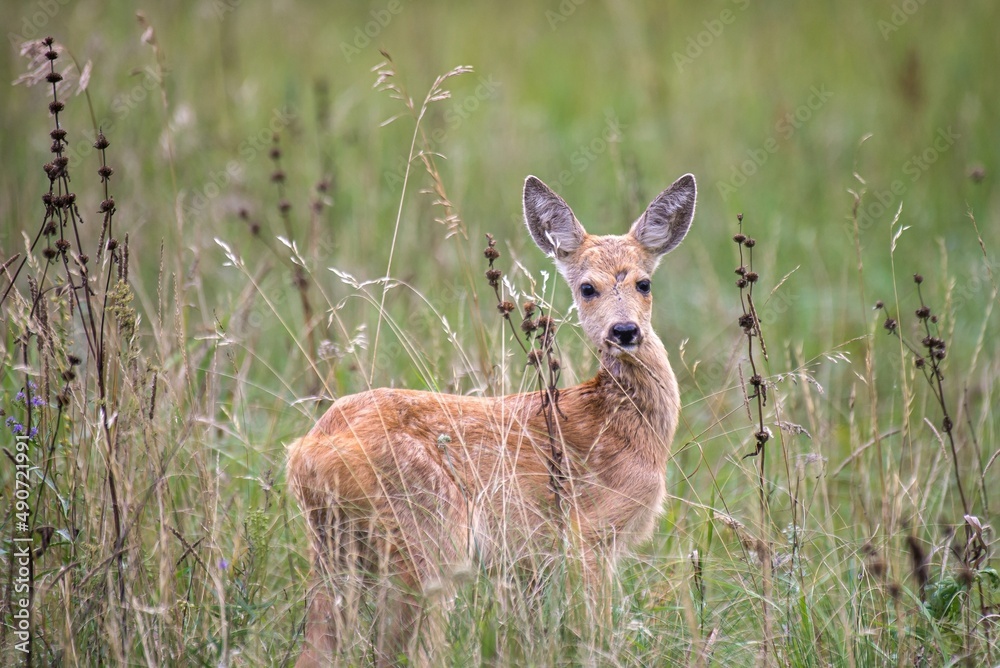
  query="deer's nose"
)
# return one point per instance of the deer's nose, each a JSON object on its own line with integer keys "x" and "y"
{"x": 625, "y": 333}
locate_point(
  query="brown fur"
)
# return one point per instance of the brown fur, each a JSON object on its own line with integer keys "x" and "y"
{"x": 412, "y": 485}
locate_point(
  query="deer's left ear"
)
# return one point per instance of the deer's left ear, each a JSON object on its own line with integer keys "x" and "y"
{"x": 667, "y": 219}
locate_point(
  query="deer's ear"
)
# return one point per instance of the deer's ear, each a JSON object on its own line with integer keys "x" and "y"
{"x": 667, "y": 219}
{"x": 550, "y": 220}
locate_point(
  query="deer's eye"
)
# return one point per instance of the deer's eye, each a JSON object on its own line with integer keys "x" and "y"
{"x": 587, "y": 290}
{"x": 643, "y": 286}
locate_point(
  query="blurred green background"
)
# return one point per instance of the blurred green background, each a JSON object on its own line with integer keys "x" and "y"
{"x": 765, "y": 103}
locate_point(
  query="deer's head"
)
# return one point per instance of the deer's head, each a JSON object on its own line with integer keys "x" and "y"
{"x": 610, "y": 275}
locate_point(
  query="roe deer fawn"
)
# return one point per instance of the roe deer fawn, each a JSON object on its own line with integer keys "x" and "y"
{"x": 408, "y": 484}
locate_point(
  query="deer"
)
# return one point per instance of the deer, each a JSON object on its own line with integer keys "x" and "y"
{"x": 412, "y": 485}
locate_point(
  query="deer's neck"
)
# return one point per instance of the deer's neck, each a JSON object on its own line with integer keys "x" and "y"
{"x": 645, "y": 388}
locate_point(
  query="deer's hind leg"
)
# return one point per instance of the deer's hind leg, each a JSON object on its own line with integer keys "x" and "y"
{"x": 339, "y": 581}
{"x": 425, "y": 537}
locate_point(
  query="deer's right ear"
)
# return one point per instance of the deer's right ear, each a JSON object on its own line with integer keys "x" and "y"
{"x": 550, "y": 220}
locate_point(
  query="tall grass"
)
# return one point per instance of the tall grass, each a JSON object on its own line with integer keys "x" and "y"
{"x": 158, "y": 349}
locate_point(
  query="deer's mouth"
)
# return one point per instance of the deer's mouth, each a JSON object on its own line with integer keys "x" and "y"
{"x": 617, "y": 349}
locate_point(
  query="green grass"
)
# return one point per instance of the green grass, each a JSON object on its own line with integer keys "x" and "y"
{"x": 213, "y": 566}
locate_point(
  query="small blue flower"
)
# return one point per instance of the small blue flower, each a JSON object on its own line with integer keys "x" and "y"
{"x": 19, "y": 397}
{"x": 33, "y": 432}
{"x": 223, "y": 564}
{"x": 37, "y": 401}
{"x": 17, "y": 428}
{"x": 10, "y": 421}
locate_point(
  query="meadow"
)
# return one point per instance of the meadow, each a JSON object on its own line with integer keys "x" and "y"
{"x": 248, "y": 209}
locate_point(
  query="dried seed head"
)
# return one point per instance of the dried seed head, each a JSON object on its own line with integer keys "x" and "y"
{"x": 890, "y": 324}
{"x": 278, "y": 176}
{"x": 535, "y": 356}
{"x": 73, "y": 360}
{"x": 493, "y": 276}
{"x": 505, "y": 308}
{"x": 741, "y": 271}
{"x": 105, "y": 172}
{"x": 739, "y": 238}
{"x": 918, "y": 558}
{"x": 529, "y": 309}
{"x": 107, "y": 205}
{"x": 919, "y": 362}
{"x": 752, "y": 277}
{"x": 53, "y": 77}
{"x": 112, "y": 243}
{"x": 49, "y": 253}
{"x": 746, "y": 321}
{"x": 739, "y": 217}
{"x": 528, "y": 325}
{"x": 750, "y": 242}
{"x": 918, "y": 279}
{"x": 55, "y": 106}
{"x": 879, "y": 305}
{"x": 741, "y": 283}
{"x": 553, "y": 364}
{"x": 491, "y": 253}
{"x": 762, "y": 436}
{"x": 101, "y": 142}
{"x": 546, "y": 324}
{"x": 284, "y": 206}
